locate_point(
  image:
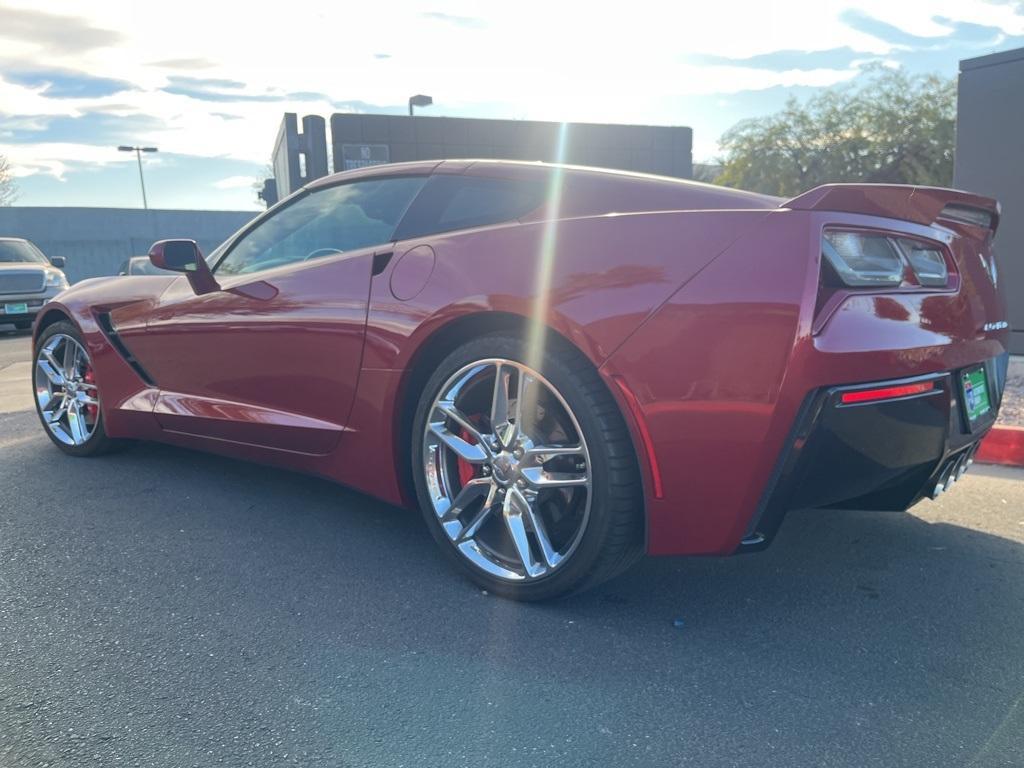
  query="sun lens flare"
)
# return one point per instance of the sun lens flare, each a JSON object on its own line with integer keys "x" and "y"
{"x": 545, "y": 264}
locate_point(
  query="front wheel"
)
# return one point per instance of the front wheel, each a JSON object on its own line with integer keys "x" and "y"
{"x": 66, "y": 394}
{"x": 525, "y": 471}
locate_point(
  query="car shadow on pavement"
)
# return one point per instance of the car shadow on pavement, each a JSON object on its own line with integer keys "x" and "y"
{"x": 866, "y": 564}
{"x": 863, "y": 636}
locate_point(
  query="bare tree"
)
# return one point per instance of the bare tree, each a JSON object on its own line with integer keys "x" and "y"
{"x": 8, "y": 189}
{"x": 257, "y": 184}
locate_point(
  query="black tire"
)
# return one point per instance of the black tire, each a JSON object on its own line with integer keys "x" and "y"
{"x": 613, "y": 538}
{"x": 98, "y": 442}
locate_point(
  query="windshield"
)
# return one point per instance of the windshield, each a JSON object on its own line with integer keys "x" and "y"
{"x": 18, "y": 251}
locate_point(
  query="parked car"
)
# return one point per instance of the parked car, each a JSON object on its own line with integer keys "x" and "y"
{"x": 141, "y": 265}
{"x": 27, "y": 281}
{"x": 562, "y": 367}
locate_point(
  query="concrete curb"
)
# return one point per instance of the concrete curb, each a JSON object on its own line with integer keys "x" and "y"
{"x": 1002, "y": 445}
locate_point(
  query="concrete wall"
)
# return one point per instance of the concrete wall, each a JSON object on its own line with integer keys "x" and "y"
{"x": 990, "y": 161}
{"x": 95, "y": 241}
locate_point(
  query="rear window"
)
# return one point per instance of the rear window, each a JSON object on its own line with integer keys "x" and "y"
{"x": 460, "y": 202}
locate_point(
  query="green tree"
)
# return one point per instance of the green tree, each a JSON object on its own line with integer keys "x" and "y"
{"x": 8, "y": 189}
{"x": 887, "y": 127}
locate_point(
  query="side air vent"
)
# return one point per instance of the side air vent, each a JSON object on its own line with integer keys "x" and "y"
{"x": 103, "y": 320}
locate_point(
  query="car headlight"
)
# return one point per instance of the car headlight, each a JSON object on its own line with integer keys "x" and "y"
{"x": 56, "y": 280}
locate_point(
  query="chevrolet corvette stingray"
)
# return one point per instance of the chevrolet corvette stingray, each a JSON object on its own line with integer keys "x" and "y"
{"x": 562, "y": 367}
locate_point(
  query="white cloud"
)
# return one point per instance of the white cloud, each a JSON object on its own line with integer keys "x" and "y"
{"x": 919, "y": 17}
{"x": 532, "y": 59}
{"x": 234, "y": 182}
{"x": 19, "y": 101}
{"x": 57, "y": 158}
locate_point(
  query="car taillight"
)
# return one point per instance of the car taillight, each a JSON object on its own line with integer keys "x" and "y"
{"x": 990, "y": 265}
{"x": 867, "y": 259}
{"x": 928, "y": 263}
{"x": 887, "y": 393}
{"x": 862, "y": 259}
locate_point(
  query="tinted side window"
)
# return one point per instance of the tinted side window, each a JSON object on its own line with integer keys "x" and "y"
{"x": 325, "y": 222}
{"x": 459, "y": 202}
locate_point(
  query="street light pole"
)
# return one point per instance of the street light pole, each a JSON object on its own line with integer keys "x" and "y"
{"x": 138, "y": 156}
{"x": 419, "y": 100}
{"x": 142, "y": 180}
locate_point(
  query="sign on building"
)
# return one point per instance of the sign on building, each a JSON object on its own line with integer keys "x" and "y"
{"x": 363, "y": 155}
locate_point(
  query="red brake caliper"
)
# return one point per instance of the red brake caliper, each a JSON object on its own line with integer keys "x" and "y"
{"x": 466, "y": 470}
{"x": 91, "y": 410}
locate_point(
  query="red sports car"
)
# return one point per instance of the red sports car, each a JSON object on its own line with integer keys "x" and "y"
{"x": 562, "y": 367}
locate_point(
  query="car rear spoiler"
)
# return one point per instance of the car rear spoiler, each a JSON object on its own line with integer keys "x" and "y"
{"x": 922, "y": 205}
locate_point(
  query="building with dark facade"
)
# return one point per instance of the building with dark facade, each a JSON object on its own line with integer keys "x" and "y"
{"x": 990, "y": 161}
{"x": 358, "y": 140}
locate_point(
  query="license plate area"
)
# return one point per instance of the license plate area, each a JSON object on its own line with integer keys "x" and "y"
{"x": 975, "y": 397}
{"x": 16, "y": 309}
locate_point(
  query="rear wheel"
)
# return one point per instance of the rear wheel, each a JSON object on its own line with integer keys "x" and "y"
{"x": 527, "y": 478}
{"x": 67, "y": 396}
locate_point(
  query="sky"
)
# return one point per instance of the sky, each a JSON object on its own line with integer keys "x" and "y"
{"x": 208, "y": 82}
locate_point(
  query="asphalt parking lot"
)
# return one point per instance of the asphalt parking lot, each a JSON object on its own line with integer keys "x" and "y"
{"x": 167, "y": 608}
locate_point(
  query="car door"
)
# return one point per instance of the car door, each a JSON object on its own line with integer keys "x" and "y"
{"x": 273, "y": 357}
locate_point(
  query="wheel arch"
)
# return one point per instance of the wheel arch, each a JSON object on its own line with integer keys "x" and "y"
{"x": 439, "y": 344}
{"x": 48, "y": 317}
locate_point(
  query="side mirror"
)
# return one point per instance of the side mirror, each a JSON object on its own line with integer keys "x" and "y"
{"x": 58, "y": 261}
{"x": 184, "y": 256}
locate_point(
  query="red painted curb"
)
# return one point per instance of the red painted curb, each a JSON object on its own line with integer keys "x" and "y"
{"x": 1002, "y": 445}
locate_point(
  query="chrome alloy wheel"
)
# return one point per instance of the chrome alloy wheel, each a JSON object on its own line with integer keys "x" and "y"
{"x": 65, "y": 390}
{"x": 507, "y": 469}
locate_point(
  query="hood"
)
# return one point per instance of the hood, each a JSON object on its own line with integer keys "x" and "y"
{"x": 104, "y": 293}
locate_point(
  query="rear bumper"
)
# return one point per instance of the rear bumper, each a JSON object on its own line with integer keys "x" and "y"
{"x": 724, "y": 369}
{"x": 881, "y": 455}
